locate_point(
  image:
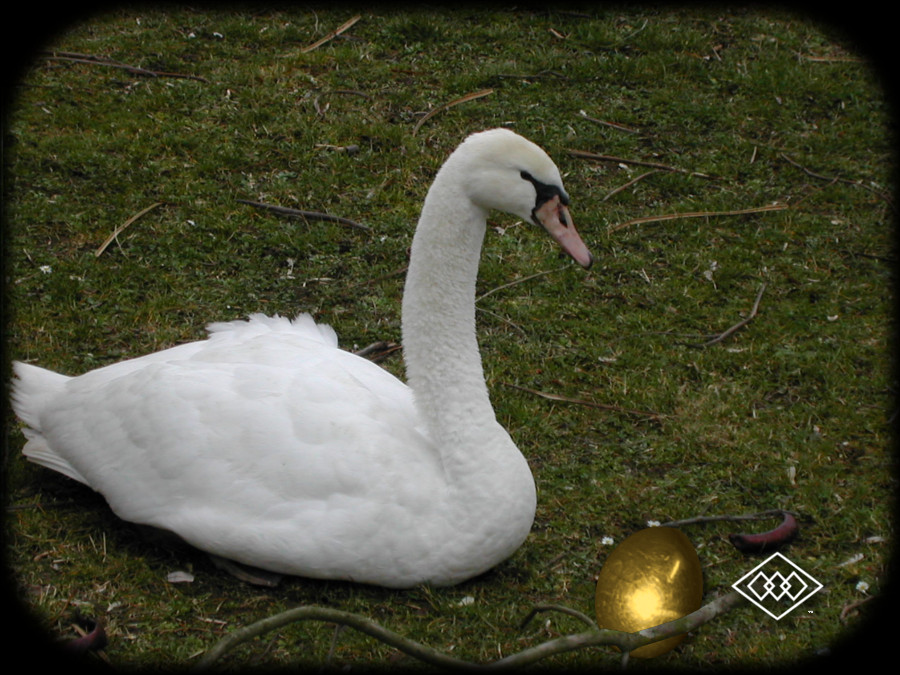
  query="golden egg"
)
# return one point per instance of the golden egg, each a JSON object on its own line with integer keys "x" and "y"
{"x": 652, "y": 577}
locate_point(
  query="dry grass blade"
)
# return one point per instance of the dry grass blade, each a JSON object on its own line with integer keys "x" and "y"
{"x": 698, "y": 214}
{"x": 605, "y": 123}
{"x": 122, "y": 227}
{"x": 836, "y": 179}
{"x": 633, "y": 181}
{"x": 333, "y": 34}
{"x": 310, "y": 215}
{"x": 445, "y": 106}
{"x": 585, "y": 154}
{"x": 591, "y": 404}
{"x": 739, "y": 324}
{"x": 90, "y": 59}
{"x": 519, "y": 281}
{"x": 831, "y": 59}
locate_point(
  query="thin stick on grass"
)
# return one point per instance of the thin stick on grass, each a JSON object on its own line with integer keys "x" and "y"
{"x": 630, "y": 183}
{"x": 591, "y": 404}
{"x": 846, "y": 610}
{"x": 122, "y": 227}
{"x": 92, "y": 60}
{"x": 813, "y": 174}
{"x": 536, "y": 76}
{"x": 836, "y": 179}
{"x": 309, "y": 215}
{"x": 445, "y": 106}
{"x": 762, "y": 515}
{"x": 584, "y": 154}
{"x": 740, "y": 324}
{"x": 503, "y": 319}
{"x": 333, "y": 34}
{"x": 593, "y": 637}
{"x": 698, "y": 214}
{"x": 605, "y": 123}
{"x": 832, "y": 59}
{"x": 537, "y": 609}
{"x": 520, "y": 281}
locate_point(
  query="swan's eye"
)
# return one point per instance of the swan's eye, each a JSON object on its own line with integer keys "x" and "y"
{"x": 545, "y": 191}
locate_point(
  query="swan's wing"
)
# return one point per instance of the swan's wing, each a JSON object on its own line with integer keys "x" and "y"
{"x": 259, "y": 423}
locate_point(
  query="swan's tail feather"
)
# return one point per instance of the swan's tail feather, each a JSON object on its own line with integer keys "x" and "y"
{"x": 260, "y": 323}
{"x": 32, "y": 389}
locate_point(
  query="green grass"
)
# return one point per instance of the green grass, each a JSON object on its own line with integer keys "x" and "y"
{"x": 789, "y": 412}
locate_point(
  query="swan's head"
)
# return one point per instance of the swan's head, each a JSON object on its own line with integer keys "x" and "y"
{"x": 503, "y": 171}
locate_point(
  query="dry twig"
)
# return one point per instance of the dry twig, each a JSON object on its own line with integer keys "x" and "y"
{"x": 584, "y": 154}
{"x": 122, "y": 227}
{"x": 333, "y": 34}
{"x": 445, "y": 106}
{"x": 630, "y": 183}
{"x": 847, "y": 610}
{"x": 830, "y": 59}
{"x": 536, "y": 76}
{"x": 590, "y": 404}
{"x": 592, "y": 637}
{"x": 698, "y": 214}
{"x": 519, "y": 281}
{"x": 537, "y": 609}
{"x": 309, "y": 215}
{"x": 739, "y": 324}
{"x": 836, "y": 179}
{"x": 89, "y": 59}
{"x": 612, "y": 125}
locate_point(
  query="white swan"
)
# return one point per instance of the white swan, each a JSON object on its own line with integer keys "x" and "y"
{"x": 267, "y": 445}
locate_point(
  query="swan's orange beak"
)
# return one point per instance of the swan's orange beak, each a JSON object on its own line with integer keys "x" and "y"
{"x": 554, "y": 217}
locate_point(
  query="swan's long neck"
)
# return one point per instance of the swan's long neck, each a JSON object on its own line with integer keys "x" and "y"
{"x": 439, "y": 340}
{"x": 489, "y": 501}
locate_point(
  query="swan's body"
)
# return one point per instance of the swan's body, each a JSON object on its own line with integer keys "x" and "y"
{"x": 267, "y": 445}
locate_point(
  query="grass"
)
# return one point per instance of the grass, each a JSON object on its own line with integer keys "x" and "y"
{"x": 791, "y": 411}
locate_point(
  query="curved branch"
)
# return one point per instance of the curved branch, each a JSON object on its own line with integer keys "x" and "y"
{"x": 557, "y": 608}
{"x": 590, "y": 638}
{"x": 313, "y": 613}
{"x": 627, "y": 642}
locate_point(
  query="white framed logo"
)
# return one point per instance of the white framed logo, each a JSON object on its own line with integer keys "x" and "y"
{"x": 777, "y": 586}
